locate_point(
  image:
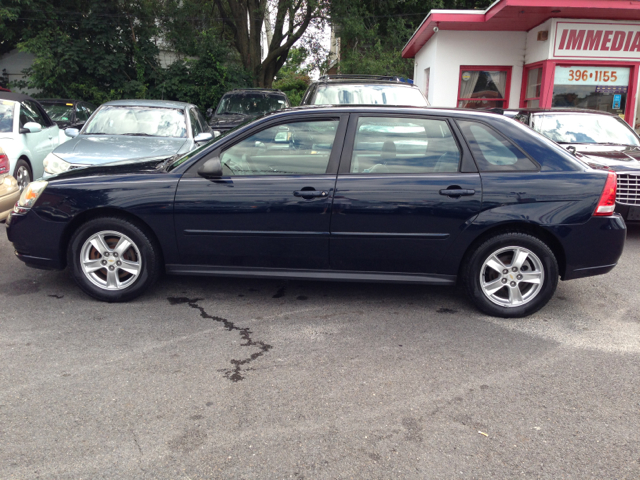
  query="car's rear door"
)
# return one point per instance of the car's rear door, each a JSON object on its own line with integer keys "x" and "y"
{"x": 406, "y": 188}
{"x": 272, "y": 207}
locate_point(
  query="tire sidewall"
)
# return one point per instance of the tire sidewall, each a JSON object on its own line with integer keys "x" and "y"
{"x": 148, "y": 271}
{"x": 544, "y": 253}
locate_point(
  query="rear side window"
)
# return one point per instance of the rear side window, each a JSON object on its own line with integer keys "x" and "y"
{"x": 404, "y": 145}
{"x": 492, "y": 151}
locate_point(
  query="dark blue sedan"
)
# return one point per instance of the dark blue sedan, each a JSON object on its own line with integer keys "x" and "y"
{"x": 337, "y": 193}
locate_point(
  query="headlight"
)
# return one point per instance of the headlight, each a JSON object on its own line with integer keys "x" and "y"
{"x": 216, "y": 133}
{"x": 29, "y": 196}
{"x": 54, "y": 164}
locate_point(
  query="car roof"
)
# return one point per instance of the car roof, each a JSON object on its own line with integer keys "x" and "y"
{"x": 254, "y": 90}
{"x": 148, "y": 103}
{"x": 365, "y": 79}
{"x": 559, "y": 110}
{"x": 392, "y": 110}
{"x": 16, "y": 97}
{"x": 58, "y": 100}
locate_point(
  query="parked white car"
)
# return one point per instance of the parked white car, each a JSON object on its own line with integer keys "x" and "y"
{"x": 27, "y": 136}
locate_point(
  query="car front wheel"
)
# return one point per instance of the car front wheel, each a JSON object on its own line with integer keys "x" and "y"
{"x": 511, "y": 275}
{"x": 113, "y": 260}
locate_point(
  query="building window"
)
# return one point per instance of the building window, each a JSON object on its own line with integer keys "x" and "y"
{"x": 484, "y": 87}
{"x": 534, "y": 81}
{"x": 597, "y": 88}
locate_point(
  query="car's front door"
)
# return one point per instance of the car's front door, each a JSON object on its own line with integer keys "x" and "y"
{"x": 272, "y": 207}
{"x": 38, "y": 143}
{"x": 406, "y": 188}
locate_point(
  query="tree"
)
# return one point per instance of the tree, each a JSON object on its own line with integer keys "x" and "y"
{"x": 243, "y": 21}
{"x": 94, "y": 49}
{"x": 293, "y": 78}
{"x": 373, "y": 32}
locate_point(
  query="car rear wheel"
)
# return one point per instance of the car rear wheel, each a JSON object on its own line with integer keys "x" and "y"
{"x": 22, "y": 174}
{"x": 511, "y": 275}
{"x": 113, "y": 259}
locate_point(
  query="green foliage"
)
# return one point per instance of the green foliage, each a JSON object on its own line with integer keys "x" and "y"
{"x": 101, "y": 50}
{"x": 373, "y": 32}
{"x": 95, "y": 49}
{"x": 293, "y": 78}
{"x": 202, "y": 80}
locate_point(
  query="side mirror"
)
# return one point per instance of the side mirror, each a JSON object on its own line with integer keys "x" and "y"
{"x": 212, "y": 168}
{"x": 203, "y": 137}
{"x": 31, "y": 127}
{"x": 71, "y": 132}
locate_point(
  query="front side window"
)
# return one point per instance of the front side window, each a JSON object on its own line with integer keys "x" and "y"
{"x": 196, "y": 128}
{"x": 59, "y": 112}
{"x": 404, "y": 145}
{"x": 383, "y": 94}
{"x": 300, "y": 148}
{"x": 29, "y": 112}
{"x": 480, "y": 88}
{"x": 492, "y": 151}
{"x": 137, "y": 121}
{"x": 6, "y": 116}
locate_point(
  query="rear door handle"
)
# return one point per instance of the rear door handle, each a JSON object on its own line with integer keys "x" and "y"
{"x": 310, "y": 193}
{"x": 457, "y": 192}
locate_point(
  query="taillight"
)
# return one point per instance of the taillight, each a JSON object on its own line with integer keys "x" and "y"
{"x": 607, "y": 203}
{"x": 4, "y": 162}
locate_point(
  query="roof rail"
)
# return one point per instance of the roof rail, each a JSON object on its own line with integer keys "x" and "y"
{"x": 392, "y": 78}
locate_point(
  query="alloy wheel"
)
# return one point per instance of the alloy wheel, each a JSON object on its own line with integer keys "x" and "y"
{"x": 110, "y": 260}
{"x": 23, "y": 177}
{"x": 512, "y": 276}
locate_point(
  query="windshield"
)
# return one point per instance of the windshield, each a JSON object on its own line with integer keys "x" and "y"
{"x": 585, "y": 128}
{"x": 6, "y": 116}
{"x": 59, "y": 113}
{"x": 337, "y": 94}
{"x": 250, "y": 104}
{"x": 137, "y": 121}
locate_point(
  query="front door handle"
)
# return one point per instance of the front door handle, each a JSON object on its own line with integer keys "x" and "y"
{"x": 457, "y": 192}
{"x": 310, "y": 193}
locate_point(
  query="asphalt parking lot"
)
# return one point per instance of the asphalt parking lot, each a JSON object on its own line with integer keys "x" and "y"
{"x": 220, "y": 378}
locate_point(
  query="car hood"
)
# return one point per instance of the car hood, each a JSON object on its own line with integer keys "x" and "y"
{"x": 229, "y": 121}
{"x": 613, "y": 157}
{"x": 99, "y": 149}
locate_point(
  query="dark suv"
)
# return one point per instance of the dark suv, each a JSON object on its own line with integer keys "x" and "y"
{"x": 241, "y": 105}
{"x": 363, "y": 90}
{"x": 68, "y": 113}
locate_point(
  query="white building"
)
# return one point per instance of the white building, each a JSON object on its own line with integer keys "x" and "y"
{"x": 531, "y": 53}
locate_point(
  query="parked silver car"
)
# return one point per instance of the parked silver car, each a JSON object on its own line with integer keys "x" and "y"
{"x": 125, "y": 130}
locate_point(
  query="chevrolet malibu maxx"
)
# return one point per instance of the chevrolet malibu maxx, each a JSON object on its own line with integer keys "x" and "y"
{"x": 348, "y": 193}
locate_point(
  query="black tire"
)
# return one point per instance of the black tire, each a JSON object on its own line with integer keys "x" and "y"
{"x": 22, "y": 173}
{"x": 119, "y": 285}
{"x": 535, "y": 281}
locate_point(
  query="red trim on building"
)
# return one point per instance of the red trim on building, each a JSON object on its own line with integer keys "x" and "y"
{"x": 518, "y": 16}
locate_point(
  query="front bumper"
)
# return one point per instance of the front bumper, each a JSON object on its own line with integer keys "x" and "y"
{"x": 37, "y": 242}
{"x": 9, "y": 195}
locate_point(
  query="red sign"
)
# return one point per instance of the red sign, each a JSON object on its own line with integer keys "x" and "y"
{"x": 597, "y": 40}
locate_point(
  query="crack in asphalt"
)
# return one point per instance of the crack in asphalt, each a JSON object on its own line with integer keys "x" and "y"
{"x": 234, "y": 374}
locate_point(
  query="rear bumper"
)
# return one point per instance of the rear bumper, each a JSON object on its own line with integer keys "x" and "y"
{"x": 9, "y": 195}
{"x": 593, "y": 248}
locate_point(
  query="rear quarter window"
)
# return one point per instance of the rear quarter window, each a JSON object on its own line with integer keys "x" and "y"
{"x": 492, "y": 151}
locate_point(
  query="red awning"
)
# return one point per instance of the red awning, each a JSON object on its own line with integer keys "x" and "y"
{"x": 518, "y": 16}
